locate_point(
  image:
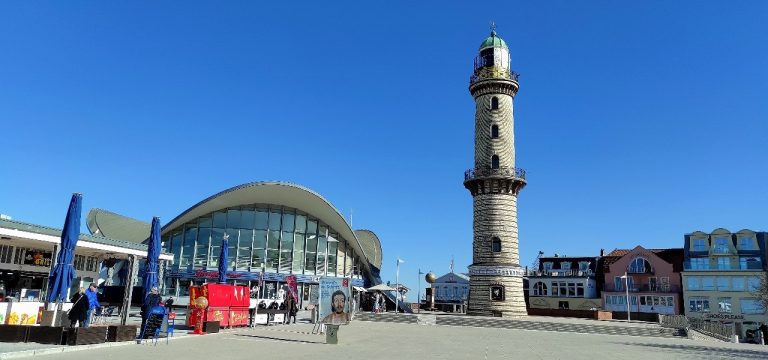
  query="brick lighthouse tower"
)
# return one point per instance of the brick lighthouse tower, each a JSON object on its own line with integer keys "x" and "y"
{"x": 496, "y": 278}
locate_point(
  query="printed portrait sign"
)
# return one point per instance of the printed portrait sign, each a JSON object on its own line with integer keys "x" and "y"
{"x": 334, "y": 301}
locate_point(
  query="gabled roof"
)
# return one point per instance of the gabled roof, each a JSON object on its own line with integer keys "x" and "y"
{"x": 453, "y": 278}
{"x": 674, "y": 256}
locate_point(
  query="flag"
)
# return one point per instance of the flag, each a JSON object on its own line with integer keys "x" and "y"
{"x": 399, "y": 260}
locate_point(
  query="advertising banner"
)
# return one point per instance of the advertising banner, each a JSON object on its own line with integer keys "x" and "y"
{"x": 37, "y": 258}
{"x": 334, "y": 300}
{"x": 293, "y": 287}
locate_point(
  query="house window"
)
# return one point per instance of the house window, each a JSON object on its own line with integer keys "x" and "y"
{"x": 618, "y": 283}
{"x": 724, "y": 263}
{"x": 547, "y": 266}
{"x": 496, "y": 245}
{"x": 750, "y": 263}
{"x": 753, "y": 283}
{"x": 737, "y": 282}
{"x": 494, "y": 131}
{"x": 699, "y": 244}
{"x": 540, "y": 289}
{"x": 751, "y": 306}
{"x": 580, "y": 290}
{"x": 494, "y": 103}
{"x": 724, "y": 304}
{"x": 497, "y": 293}
{"x": 565, "y": 265}
{"x": 723, "y": 283}
{"x": 583, "y": 265}
{"x": 639, "y": 266}
{"x": 698, "y": 304}
{"x": 494, "y": 162}
{"x": 722, "y": 245}
{"x": 746, "y": 243}
{"x": 694, "y": 283}
{"x": 699, "y": 264}
{"x": 707, "y": 283}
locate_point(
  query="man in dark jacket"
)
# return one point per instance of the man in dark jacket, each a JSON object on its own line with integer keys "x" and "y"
{"x": 79, "y": 309}
{"x": 153, "y": 299}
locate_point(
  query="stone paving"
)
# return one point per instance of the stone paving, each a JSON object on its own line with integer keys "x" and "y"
{"x": 373, "y": 340}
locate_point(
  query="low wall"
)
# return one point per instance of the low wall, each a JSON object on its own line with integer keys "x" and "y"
{"x": 639, "y": 316}
{"x": 583, "y": 314}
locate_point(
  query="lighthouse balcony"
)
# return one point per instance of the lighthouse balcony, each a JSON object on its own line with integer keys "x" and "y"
{"x": 500, "y": 173}
{"x": 493, "y": 73}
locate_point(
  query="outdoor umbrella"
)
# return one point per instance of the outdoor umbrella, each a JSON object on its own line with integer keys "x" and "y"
{"x": 153, "y": 257}
{"x": 62, "y": 274}
{"x": 223, "y": 259}
{"x": 381, "y": 287}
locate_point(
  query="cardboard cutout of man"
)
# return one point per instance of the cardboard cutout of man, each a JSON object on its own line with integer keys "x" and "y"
{"x": 338, "y": 316}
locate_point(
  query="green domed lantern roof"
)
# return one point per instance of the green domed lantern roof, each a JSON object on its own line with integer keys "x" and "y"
{"x": 493, "y": 41}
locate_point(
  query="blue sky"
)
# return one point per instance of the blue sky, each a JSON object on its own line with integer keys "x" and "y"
{"x": 637, "y": 122}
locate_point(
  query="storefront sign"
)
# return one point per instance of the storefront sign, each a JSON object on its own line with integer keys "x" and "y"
{"x": 38, "y": 258}
{"x": 724, "y": 316}
{"x": 248, "y": 276}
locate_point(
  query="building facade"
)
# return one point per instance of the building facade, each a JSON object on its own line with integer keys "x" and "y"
{"x": 564, "y": 283}
{"x": 723, "y": 272}
{"x": 275, "y": 230}
{"x": 651, "y": 276}
{"x": 451, "y": 291}
{"x": 496, "y": 278}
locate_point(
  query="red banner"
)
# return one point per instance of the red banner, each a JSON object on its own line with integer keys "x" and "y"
{"x": 293, "y": 288}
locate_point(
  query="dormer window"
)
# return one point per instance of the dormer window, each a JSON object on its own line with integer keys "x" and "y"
{"x": 747, "y": 243}
{"x": 565, "y": 265}
{"x": 583, "y": 265}
{"x": 547, "y": 266}
{"x": 699, "y": 244}
{"x": 722, "y": 245}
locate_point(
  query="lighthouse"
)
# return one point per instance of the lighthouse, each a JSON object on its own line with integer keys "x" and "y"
{"x": 496, "y": 278}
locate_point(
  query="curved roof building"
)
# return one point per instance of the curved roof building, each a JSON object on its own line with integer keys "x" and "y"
{"x": 275, "y": 229}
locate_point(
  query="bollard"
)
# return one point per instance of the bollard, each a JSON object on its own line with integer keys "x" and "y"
{"x": 331, "y": 334}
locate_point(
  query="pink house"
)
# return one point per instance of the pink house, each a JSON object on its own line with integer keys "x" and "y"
{"x": 652, "y": 277}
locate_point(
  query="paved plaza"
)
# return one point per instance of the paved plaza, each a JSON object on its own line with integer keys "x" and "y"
{"x": 374, "y": 340}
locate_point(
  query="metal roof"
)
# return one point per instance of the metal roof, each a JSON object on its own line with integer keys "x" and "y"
{"x": 45, "y": 230}
{"x": 106, "y": 223}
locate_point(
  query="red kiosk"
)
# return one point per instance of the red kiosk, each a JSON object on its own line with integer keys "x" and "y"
{"x": 227, "y": 304}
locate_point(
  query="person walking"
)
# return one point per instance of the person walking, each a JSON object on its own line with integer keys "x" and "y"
{"x": 79, "y": 309}
{"x": 93, "y": 303}
{"x": 376, "y": 303}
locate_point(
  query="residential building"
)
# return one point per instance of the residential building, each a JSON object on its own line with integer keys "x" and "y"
{"x": 723, "y": 271}
{"x": 648, "y": 278}
{"x": 564, "y": 283}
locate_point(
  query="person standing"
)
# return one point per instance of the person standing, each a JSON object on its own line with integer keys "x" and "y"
{"x": 376, "y": 304}
{"x": 153, "y": 299}
{"x": 79, "y": 309}
{"x": 93, "y": 303}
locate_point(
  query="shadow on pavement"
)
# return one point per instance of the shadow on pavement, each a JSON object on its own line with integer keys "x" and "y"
{"x": 705, "y": 351}
{"x": 279, "y": 339}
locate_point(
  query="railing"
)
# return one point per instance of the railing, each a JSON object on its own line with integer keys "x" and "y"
{"x": 635, "y": 288}
{"x": 503, "y": 74}
{"x": 516, "y": 173}
{"x": 647, "y": 270}
{"x": 710, "y": 328}
{"x": 560, "y": 273}
{"x": 749, "y": 266}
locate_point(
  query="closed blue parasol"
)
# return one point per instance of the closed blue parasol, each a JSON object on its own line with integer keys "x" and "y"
{"x": 224, "y": 259}
{"x": 153, "y": 258}
{"x": 62, "y": 274}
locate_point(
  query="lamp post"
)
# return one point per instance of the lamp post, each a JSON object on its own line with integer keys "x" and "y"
{"x": 418, "y": 293}
{"x": 397, "y": 286}
{"x": 626, "y": 287}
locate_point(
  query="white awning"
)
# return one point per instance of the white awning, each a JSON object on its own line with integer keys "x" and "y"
{"x": 358, "y": 288}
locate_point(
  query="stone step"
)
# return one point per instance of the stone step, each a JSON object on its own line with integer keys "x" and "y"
{"x": 648, "y": 330}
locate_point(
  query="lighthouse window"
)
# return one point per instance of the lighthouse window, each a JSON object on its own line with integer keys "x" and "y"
{"x": 494, "y": 131}
{"x": 495, "y": 162}
{"x": 496, "y": 245}
{"x": 494, "y": 103}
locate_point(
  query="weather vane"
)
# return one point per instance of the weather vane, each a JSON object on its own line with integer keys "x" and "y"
{"x": 493, "y": 26}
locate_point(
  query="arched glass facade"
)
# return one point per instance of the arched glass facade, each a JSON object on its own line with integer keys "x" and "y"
{"x": 272, "y": 238}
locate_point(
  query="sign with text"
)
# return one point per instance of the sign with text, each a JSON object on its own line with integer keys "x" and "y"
{"x": 37, "y": 258}
{"x": 334, "y": 300}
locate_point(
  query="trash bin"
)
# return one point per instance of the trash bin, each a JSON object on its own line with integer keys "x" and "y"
{"x": 331, "y": 334}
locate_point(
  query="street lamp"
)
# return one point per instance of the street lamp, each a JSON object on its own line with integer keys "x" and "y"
{"x": 418, "y": 293}
{"x": 397, "y": 286}
{"x": 626, "y": 286}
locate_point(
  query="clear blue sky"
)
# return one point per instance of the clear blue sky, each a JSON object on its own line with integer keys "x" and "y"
{"x": 637, "y": 122}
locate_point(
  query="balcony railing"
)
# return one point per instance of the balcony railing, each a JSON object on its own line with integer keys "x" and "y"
{"x": 561, "y": 273}
{"x": 749, "y": 266}
{"x": 644, "y": 270}
{"x": 503, "y": 172}
{"x": 636, "y": 288}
